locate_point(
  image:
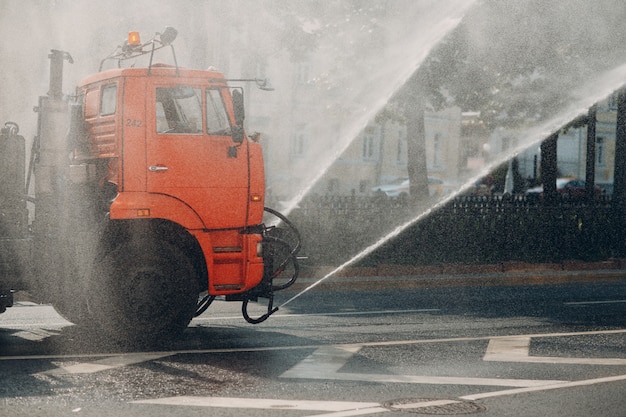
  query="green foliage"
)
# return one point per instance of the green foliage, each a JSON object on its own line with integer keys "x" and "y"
{"x": 516, "y": 62}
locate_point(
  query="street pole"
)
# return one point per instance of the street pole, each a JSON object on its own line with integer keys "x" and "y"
{"x": 549, "y": 168}
{"x": 590, "y": 170}
{"x": 619, "y": 175}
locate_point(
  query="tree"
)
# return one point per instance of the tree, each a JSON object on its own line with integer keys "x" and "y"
{"x": 516, "y": 63}
{"x": 425, "y": 91}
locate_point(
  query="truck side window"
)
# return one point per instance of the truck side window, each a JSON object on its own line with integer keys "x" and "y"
{"x": 108, "y": 100}
{"x": 216, "y": 116}
{"x": 178, "y": 110}
{"x": 92, "y": 101}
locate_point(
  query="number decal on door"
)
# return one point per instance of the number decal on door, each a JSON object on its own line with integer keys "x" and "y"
{"x": 133, "y": 123}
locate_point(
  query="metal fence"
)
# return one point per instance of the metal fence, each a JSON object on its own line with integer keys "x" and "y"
{"x": 468, "y": 229}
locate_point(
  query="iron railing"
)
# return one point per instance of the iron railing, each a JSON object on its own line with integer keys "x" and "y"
{"x": 467, "y": 229}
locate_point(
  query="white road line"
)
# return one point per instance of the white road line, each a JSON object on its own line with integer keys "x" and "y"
{"x": 471, "y": 339}
{"x": 362, "y": 313}
{"x": 514, "y": 347}
{"x": 341, "y": 313}
{"x": 517, "y": 349}
{"x": 326, "y": 362}
{"x": 322, "y": 364}
{"x": 581, "y": 303}
{"x": 561, "y": 385}
{"x": 260, "y": 403}
{"x": 35, "y": 335}
{"x": 105, "y": 364}
{"x": 335, "y": 408}
{"x": 352, "y": 413}
{"x": 431, "y": 403}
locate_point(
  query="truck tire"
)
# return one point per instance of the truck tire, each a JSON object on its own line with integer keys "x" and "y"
{"x": 143, "y": 292}
{"x": 65, "y": 290}
{"x": 73, "y": 310}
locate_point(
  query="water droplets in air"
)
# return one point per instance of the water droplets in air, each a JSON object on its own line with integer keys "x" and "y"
{"x": 527, "y": 67}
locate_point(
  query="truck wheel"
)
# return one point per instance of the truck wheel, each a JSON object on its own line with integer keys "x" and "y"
{"x": 73, "y": 310}
{"x": 143, "y": 292}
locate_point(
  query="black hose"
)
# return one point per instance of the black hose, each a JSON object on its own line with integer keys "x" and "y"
{"x": 284, "y": 263}
{"x": 204, "y": 304}
{"x": 266, "y": 289}
{"x": 270, "y": 311}
{"x": 291, "y": 226}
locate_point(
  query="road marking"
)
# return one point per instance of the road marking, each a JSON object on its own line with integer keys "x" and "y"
{"x": 326, "y": 362}
{"x": 105, "y": 364}
{"x": 430, "y": 403}
{"x": 348, "y": 408}
{"x": 35, "y": 335}
{"x": 562, "y": 385}
{"x": 336, "y": 408}
{"x": 351, "y": 413}
{"x": 329, "y": 359}
{"x": 303, "y": 347}
{"x": 260, "y": 403}
{"x": 340, "y": 313}
{"x": 517, "y": 349}
{"x": 582, "y": 303}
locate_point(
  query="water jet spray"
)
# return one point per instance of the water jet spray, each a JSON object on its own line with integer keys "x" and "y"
{"x": 592, "y": 92}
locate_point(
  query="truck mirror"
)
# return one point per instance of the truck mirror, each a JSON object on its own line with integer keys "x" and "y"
{"x": 238, "y": 107}
{"x": 237, "y": 134}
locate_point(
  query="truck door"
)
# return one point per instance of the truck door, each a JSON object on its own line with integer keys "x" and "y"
{"x": 189, "y": 154}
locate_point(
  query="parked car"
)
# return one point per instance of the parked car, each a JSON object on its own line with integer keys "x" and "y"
{"x": 438, "y": 187}
{"x": 568, "y": 187}
{"x": 401, "y": 186}
{"x": 395, "y": 188}
{"x": 606, "y": 187}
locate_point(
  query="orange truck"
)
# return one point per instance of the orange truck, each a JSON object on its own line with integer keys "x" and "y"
{"x": 148, "y": 200}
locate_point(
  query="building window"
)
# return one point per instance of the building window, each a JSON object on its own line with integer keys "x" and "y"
{"x": 299, "y": 144}
{"x": 612, "y": 102}
{"x": 600, "y": 152}
{"x": 437, "y": 150}
{"x": 370, "y": 144}
{"x": 401, "y": 152}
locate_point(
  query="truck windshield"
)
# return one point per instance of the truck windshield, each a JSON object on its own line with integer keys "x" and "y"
{"x": 179, "y": 110}
{"x": 216, "y": 116}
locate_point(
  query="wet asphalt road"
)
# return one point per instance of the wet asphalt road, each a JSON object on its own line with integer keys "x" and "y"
{"x": 497, "y": 351}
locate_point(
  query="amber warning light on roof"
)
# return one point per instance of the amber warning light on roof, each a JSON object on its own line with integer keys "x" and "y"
{"x": 134, "y": 39}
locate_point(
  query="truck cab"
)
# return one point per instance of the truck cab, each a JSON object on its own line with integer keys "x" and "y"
{"x": 162, "y": 141}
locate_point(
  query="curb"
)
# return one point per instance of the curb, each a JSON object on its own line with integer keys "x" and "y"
{"x": 384, "y": 270}
{"x": 437, "y": 276}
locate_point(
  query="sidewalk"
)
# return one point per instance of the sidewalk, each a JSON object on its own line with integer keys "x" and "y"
{"x": 452, "y": 275}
